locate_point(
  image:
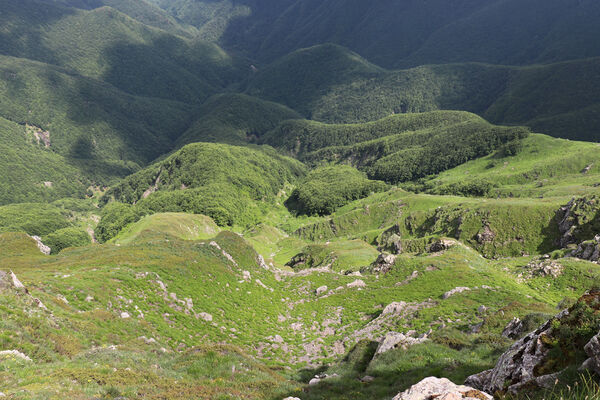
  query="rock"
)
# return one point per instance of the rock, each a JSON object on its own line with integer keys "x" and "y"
{"x": 206, "y": 316}
{"x": 246, "y": 275}
{"x": 482, "y": 309}
{"x": 383, "y": 264}
{"x": 520, "y": 364}
{"x": 357, "y": 284}
{"x": 390, "y": 240}
{"x": 3, "y": 395}
{"x": 393, "y": 340}
{"x": 441, "y": 245}
{"x": 440, "y": 388}
{"x": 592, "y": 349}
{"x": 543, "y": 268}
{"x": 89, "y": 299}
{"x": 455, "y": 291}
{"x": 41, "y": 246}
{"x": 39, "y": 303}
{"x": 485, "y": 235}
{"x": 278, "y": 339}
{"x": 514, "y": 329}
{"x": 62, "y": 298}
{"x": 588, "y": 250}
{"x": 367, "y": 379}
{"x": 320, "y": 290}
{"x": 394, "y": 308}
{"x": 125, "y": 315}
{"x": 314, "y": 381}
{"x": 15, "y": 354}
{"x": 291, "y": 398}
{"x": 15, "y": 281}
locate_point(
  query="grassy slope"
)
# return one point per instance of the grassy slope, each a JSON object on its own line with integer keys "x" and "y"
{"x": 123, "y": 278}
{"x": 182, "y": 226}
{"x": 544, "y": 167}
{"x": 204, "y": 178}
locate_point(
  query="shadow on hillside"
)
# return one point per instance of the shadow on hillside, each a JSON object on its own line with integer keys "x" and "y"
{"x": 22, "y": 25}
{"x": 385, "y": 384}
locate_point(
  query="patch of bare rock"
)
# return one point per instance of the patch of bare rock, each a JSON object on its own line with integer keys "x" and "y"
{"x": 441, "y": 389}
{"x": 520, "y": 365}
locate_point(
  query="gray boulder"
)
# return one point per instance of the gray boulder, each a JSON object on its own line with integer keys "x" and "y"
{"x": 441, "y": 388}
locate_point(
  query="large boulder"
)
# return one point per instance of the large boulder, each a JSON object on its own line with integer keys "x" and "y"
{"x": 530, "y": 363}
{"x": 390, "y": 240}
{"x": 397, "y": 340}
{"x": 441, "y": 388}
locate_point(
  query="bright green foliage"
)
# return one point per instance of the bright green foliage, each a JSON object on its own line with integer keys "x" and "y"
{"x": 25, "y": 166}
{"x": 33, "y": 218}
{"x": 544, "y": 166}
{"x": 301, "y": 137}
{"x": 182, "y": 226}
{"x": 326, "y": 189}
{"x": 115, "y": 216}
{"x": 66, "y": 237}
{"x": 235, "y": 119}
{"x": 398, "y": 148}
{"x": 203, "y": 178}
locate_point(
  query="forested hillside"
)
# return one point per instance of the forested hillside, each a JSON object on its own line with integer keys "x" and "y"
{"x": 403, "y": 33}
{"x": 300, "y": 199}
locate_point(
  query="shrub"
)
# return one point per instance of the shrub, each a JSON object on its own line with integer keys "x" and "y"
{"x": 326, "y": 189}
{"x": 66, "y": 237}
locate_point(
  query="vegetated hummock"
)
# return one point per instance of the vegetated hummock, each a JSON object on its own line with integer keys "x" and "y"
{"x": 299, "y": 199}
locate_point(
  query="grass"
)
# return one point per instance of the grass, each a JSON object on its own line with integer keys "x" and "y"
{"x": 545, "y": 167}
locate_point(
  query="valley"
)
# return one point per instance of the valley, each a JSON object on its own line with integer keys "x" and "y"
{"x": 298, "y": 199}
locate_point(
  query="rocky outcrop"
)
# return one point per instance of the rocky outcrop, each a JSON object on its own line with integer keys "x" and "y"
{"x": 575, "y": 220}
{"x": 14, "y": 354}
{"x": 543, "y": 268}
{"x": 529, "y": 362}
{"x": 485, "y": 235}
{"x": 441, "y": 389}
{"x": 592, "y": 349}
{"x": 359, "y": 284}
{"x": 383, "y": 264}
{"x": 517, "y": 365}
{"x": 390, "y": 240}
{"x": 43, "y": 248}
{"x": 441, "y": 245}
{"x": 514, "y": 329}
{"x": 454, "y": 291}
{"x": 588, "y": 250}
{"x": 397, "y": 340}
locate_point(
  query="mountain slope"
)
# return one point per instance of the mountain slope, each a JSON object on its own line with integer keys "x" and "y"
{"x": 398, "y": 148}
{"x": 234, "y": 119}
{"x": 202, "y": 178}
{"x": 345, "y": 88}
{"x": 85, "y": 118}
{"x": 403, "y": 33}
{"x": 105, "y": 44}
